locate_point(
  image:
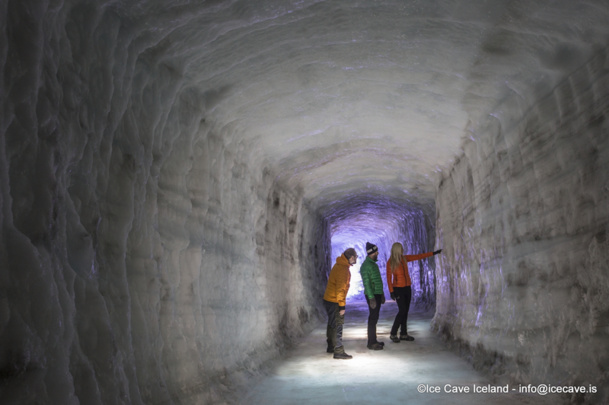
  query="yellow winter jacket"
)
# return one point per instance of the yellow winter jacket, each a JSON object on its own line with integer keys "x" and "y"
{"x": 338, "y": 282}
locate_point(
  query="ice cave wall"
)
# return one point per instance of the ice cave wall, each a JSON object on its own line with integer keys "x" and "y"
{"x": 147, "y": 255}
{"x": 522, "y": 218}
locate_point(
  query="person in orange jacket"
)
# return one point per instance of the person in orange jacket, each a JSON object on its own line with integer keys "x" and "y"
{"x": 399, "y": 283}
{"x": 335, "y": 301}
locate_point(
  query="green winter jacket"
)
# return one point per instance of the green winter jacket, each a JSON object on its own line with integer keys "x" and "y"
{"x": 371, "y": 278}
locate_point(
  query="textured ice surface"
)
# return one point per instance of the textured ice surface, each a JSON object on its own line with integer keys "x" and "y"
{"x": 523, "y": 219}
{"x": 308, "y": 375}
{"x": 174, "y": 177}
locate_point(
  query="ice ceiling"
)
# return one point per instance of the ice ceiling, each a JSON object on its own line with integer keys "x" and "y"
{"x": 358, "y": 101}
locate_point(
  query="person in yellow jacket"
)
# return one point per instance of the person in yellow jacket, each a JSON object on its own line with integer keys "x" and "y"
{"x": 399, "y": 283}
{"x": 335, "y": 301}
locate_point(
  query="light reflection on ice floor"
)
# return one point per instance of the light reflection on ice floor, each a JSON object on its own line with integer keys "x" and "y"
{"x": 309, "y": 375}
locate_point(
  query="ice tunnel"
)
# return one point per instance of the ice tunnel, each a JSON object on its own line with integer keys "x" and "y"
{"x": 177, "y": 178}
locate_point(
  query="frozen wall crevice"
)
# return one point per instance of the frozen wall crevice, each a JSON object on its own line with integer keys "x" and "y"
{"x": 522, "y": 218}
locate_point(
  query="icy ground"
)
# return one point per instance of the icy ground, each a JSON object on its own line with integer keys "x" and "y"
{"x": 308, "y": 375}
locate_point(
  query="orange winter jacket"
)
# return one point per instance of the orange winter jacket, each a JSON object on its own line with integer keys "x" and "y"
{"x": 338, "y": 282}
{"x": 400, "y": 277}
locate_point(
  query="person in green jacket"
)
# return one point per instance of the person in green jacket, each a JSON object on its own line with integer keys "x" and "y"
{"x": 373, "y": 290}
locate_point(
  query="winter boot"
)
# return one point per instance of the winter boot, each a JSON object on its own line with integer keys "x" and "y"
{"x": 339, "y": 353}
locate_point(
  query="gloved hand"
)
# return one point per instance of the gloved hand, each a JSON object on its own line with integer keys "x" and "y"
{"x": 372, "y": 302}
{"x": 383, "y": 299}
{"x": 392, "y": 295}
{"x": 437, "y": 251}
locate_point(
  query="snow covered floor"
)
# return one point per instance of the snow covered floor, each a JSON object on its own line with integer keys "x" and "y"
{"x": 308, "y": 375}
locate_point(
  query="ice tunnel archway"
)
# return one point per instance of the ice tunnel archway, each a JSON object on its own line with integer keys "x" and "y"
{"x": 384, "y": 222}
{"x": 176, "y": 179}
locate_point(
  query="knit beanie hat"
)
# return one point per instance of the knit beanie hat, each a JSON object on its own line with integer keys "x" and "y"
{"x": 349, "y": 253}
{"x": 370, "y": 248}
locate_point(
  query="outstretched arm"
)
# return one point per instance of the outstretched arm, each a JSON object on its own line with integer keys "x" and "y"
{"x": 412, "y": 258}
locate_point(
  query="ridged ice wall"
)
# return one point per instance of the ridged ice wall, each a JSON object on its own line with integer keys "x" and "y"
{"x": 523, "y": 220}
{"x": 147, "y": 255}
